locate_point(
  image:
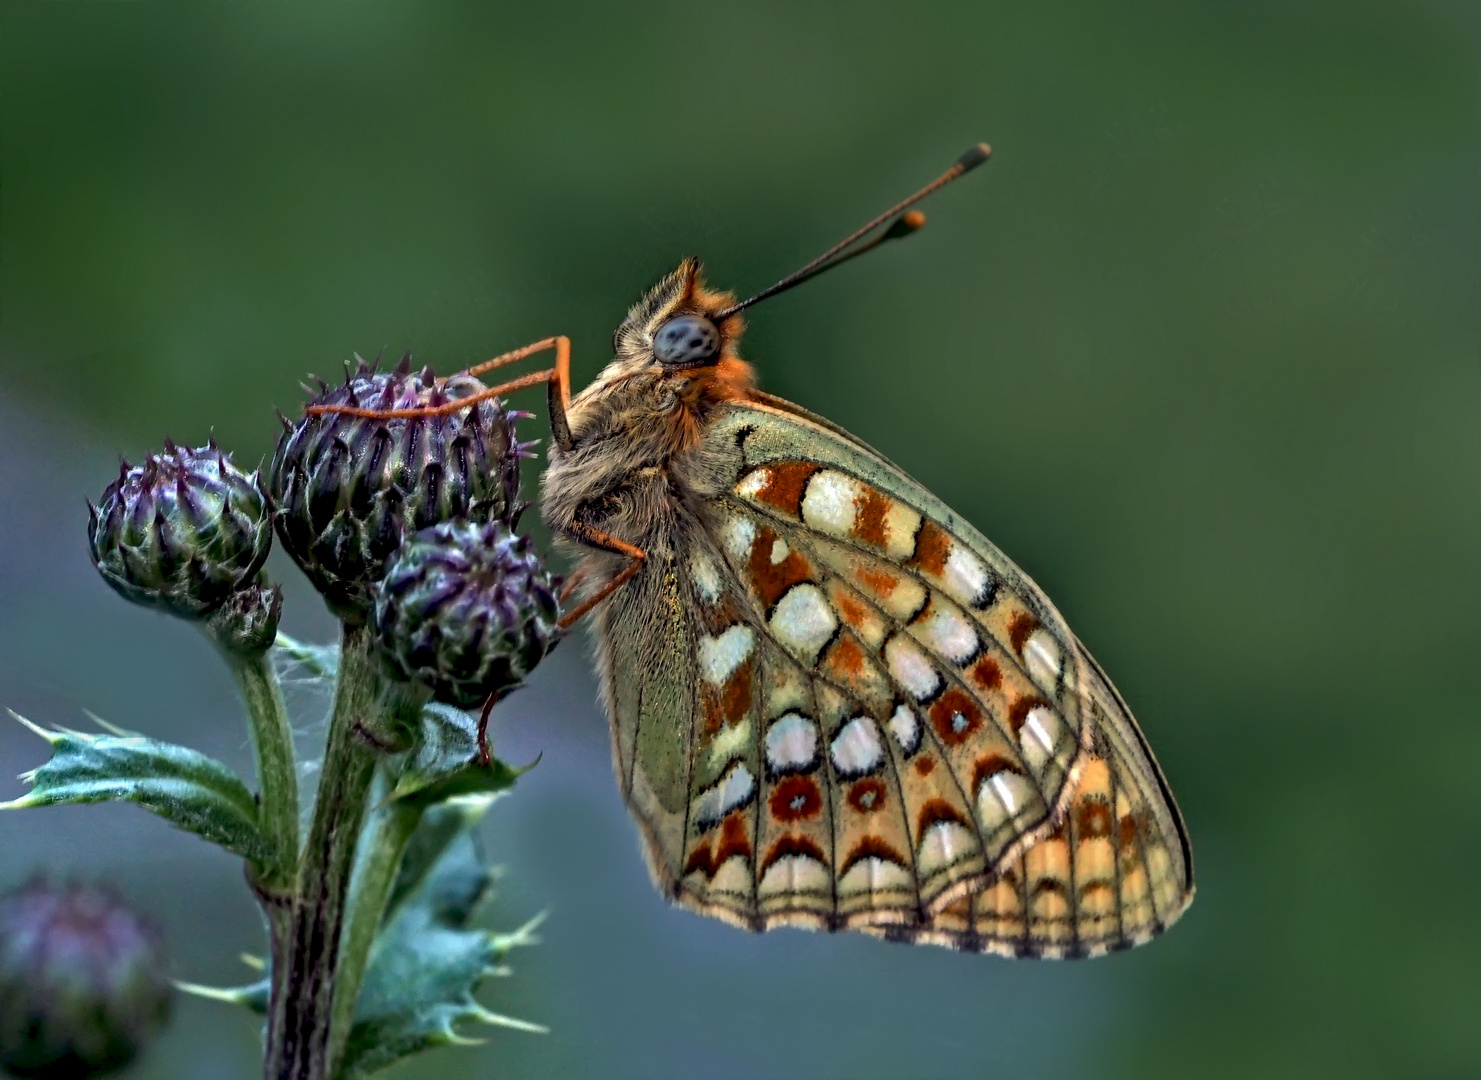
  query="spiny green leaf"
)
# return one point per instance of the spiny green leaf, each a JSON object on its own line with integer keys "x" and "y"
{"x": 427, "y": 963}
{"x": 471, "y": 781}
{"x": 438, "y": 829}
{"x": 184, "y": 787}
{"x": 447, "y": 741}
{"x": 253, "y": 996}
{"x": 444, "y": 763}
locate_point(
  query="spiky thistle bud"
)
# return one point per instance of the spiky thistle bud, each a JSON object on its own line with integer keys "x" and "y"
{"x": 349, "y": 489}
{"x": 181, "y": 532}
{"x": 467, "y": 611}
{"x": 82, "y": 982}
{"x": 247, "y": 624}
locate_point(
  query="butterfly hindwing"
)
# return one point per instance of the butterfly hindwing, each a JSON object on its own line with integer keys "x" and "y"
{"x": 648, "y": 677}
{"x": 1112, "y": 874}
{"x": 877, "y": 721}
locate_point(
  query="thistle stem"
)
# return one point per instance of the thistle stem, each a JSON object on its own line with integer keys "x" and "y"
{"x": 381, "y": 848}
{"x": 277, "y": 776}
{"x": 302, "y": 1010}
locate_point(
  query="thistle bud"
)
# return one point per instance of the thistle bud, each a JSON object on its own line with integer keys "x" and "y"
{"x": 82, "y": 982}
{"x": 467, "y": 610}
{"x": 247, "y": 624}
{"x": 182, "y": 531}
{"x": 351, "y": 488}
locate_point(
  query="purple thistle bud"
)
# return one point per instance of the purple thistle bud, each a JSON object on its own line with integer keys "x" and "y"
{"x": 467, "y": 610}
{"x": 247, "y": 623}
{"x": 182, "y": 532}
{"x": 349, "y": 489}
{"x": 83, "y": 986}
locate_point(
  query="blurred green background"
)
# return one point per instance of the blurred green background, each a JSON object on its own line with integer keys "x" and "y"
{"x": 1198, "y": 349}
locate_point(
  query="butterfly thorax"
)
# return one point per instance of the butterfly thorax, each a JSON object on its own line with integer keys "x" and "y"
{"x": 637, "y": 430}
{"x": 636, "y": 451}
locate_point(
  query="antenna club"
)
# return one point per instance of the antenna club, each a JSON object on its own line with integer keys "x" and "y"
{"x": 903, "y": 221}
{"x": 974, "y": 157}
{"x": 904, "y": 225}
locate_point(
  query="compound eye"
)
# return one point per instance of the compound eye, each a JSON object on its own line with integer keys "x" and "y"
{"x": 688, "y": 339}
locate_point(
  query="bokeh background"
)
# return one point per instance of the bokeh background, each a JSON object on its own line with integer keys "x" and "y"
{"x": 1198, "y": 349}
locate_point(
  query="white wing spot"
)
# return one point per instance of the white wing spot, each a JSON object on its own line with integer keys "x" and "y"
{"x": 734, "y": 877}
{"x": 947, "y": 631}
{"x": 1041, "y": 654}
{"x": 1039, "y": 736}
{"x": 779, "y": 550}
{"x": 1002, "y": 796}
{"x": 911, "y": 668}
{"x": 943, "y": 844}
{"x": 906, "y": 728}
{"x": 740, "y": 534}
{"x": 795, "y": 874}
{"x": 965, "y": 576}
{"x": 755, "y": 483}
{"x": 731, "y": 790}
{"x": 731, "y": 739}
{"x": 706, "y": 579}
{"x": 804, "y": 621}
{"x": 901, "y": 525}
{"x": 856, "y": 748}
{"x": 720, "y": 656}
{"x": 873, "y": 874}
{"x": 791, "y": 743}
{"x": 990, "y": 810}
{"x": 1004, "y": 787}
{"x": 829, "y": 505}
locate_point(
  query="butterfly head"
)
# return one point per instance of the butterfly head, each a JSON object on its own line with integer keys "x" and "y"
{"x": 676, "y": 326}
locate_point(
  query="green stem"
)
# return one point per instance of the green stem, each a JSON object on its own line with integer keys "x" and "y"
{"x": 277, "y": 779}
{"x": 300, "y": 1016}
{"x": 277, "y": 769}
{"x": 382, "y": 846}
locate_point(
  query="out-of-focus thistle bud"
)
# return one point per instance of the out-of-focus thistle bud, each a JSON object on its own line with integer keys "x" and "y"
{"x": 82, "y": 982}
{"x": 182, "y": 531}
{"x": 349, "y": 489}
{"x": 466, "y": 610}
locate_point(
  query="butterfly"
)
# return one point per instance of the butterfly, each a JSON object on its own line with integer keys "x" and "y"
{"x": 834, "y": 703}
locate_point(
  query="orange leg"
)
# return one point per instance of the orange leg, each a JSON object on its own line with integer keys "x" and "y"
{"x": 597, "y": 539}
{"x": 558, "y": 378}
{"x": 587, "y": 535}
{"x": 573, "y": 583}
{"x": 485, "y": 757}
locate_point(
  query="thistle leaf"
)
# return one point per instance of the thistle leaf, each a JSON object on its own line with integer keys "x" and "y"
{"x": 186, "y": 788}
{"x": 252, "y": 997}
{"x": 444, "y": 764}
{"x": 439, "y": 828}
{"x": 427, "y": 962}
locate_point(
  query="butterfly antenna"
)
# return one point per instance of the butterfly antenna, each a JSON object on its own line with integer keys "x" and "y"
{"x": 906, "y": 221}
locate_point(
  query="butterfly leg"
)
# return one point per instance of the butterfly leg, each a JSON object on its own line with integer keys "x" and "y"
{"x": 558, "y": 379}
{"x": 485, "y": 757}
{"x": 585, "y": 534}
{"x": 573, "y": 583}
{"x": 594, "y": 538}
